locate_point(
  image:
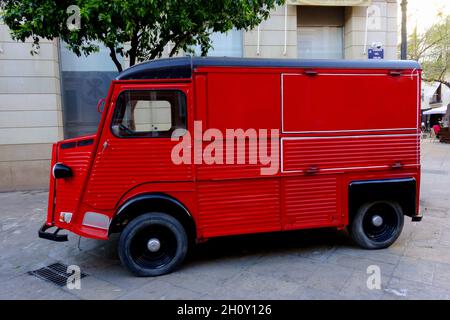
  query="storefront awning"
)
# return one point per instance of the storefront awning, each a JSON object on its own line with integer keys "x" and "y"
{"x": 350, "y": 3}
{"x": 440, "y": 110}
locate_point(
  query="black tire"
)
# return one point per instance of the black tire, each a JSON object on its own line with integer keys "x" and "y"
{"x": 145, "y": 258}
{"x": 368, "y": 234}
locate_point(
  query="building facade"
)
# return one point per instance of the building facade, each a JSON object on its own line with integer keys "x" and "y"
{"x": 52, "y": 95}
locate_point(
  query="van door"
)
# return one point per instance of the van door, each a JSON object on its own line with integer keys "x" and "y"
{"x": 135, "y": 145}
{"x": 235, "y": 197}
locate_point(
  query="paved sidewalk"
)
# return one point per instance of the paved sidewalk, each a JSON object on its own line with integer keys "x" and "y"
{"x": 319, "y": 264}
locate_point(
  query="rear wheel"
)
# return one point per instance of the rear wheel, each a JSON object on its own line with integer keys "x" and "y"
{"x": 377, "y": 224}
{"x": 153, "y": 244}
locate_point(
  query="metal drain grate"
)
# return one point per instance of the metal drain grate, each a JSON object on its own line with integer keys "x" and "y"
{"x": 55, "y": 273}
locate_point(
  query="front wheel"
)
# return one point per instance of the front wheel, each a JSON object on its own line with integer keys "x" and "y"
{"x": 153, "y": 244}
{"x": 377, "y": 224}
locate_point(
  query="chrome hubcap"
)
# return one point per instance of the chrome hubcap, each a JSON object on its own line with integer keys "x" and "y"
{"x": 377, "y": 221}
{"x": 153, "y": 245}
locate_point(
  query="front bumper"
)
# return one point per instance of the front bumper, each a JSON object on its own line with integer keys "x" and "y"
{"x": 53, "y": 236}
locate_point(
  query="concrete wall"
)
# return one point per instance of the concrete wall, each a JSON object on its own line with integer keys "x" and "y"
{"x": 386, "y": 31}
{"x": 272, "y": 36}
{"x": 272, "y": 32}
{"x": 30, "y": 112}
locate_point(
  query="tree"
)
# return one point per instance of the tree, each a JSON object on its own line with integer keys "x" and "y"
{"x": 137, "y": 29}
{"x": 432, "y": 50}
{"x": 404, "y": 44}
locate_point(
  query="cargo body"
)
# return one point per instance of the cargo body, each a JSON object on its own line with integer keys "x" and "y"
{"x": 348, "y": 136}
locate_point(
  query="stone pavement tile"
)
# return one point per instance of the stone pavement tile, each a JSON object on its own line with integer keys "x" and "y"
{"x": 359, "y": 263}
{"x": 96, "y": 289}
{"x": 17, "y": 264}
{"x": 409, "y": 227}
{"x": 228, "y": 262}
{"x": 441, "y": 277}
{"x": 436, "y": 253}
{"x": 119, "y": 276}
{"x": 407, "y": 289}
{"x": 429, "y": 209}
{"x": 415, "y": 269}
{"x": 87, "y": 262}
{"x": 159, "y": 289}
{"x": 207, "y": 276}
{"x": 329, "y": 278}
{"x": 387, "y": 256}
{"x": 290, "y": 268}
{"x": 429, "y": 232}
{"x": 356, "y": 287}
{"x": 249, "y": 285}
{"x": 395, "y": 251}
{"x": 31, "y": 288}
{"x": 434, "y": 198}
{"x": 318, "y": 253}
{"x": 316, "y": 294}
{"x": 445, "y": 238}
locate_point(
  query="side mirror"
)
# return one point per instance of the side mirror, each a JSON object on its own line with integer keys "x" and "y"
{"x": 100, "y": 105}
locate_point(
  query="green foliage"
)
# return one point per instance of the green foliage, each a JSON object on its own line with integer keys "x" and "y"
{"x": 138, "y": 29}
{"x": 432, "y": 50}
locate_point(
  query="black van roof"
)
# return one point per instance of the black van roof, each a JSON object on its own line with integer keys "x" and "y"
{"x": 182, "y": 67}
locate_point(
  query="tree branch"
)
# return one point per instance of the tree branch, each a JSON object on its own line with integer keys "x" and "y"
{"x": 177, "y": 45}
{"x": 447, "y": 83}
{"x": 156, "y": 51}
{"x": 112, "y": 54}
{"x": 133, "y": 50}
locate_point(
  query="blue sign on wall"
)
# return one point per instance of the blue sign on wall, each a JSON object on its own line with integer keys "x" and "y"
{"x": 376, "y": 53}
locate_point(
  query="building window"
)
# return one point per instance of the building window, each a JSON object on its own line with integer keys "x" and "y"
{"x": 320, "y": 43}
{"x": 320, "y": 32}
{"x": 84, "y": 80}
{"x": 149, "y": 113}
{"x": 224, "y": 44}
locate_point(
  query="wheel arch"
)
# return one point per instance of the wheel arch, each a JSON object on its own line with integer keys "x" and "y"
{"x": 402, "y": 191}
{"x": 157, "y": 202}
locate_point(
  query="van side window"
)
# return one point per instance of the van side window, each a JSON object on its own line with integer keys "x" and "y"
{"x": 149, "y": 113}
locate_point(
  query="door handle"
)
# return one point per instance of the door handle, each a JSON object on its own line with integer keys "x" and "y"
{"x": 395, "y": 73}
{"x": 105, "y": 145}
{"x": 397, "y": 165}
{"x": 311, "y": 72}
{"x": 312, "y": 170}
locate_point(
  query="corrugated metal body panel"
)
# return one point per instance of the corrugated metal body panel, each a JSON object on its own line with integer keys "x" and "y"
{"x": 235, "y": 207}
{"x": 126, "y": 163}
{"x": 68, "y": 191}
{"x": 243, "y": 150}
{"x": 340, "y": 153}
{"x": 310, "y": 201}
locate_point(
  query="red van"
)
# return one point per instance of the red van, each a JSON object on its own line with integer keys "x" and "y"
{"x": 174, "y": 160}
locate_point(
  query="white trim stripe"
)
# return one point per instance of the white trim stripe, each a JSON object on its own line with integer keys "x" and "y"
{"x": 344, "y": 137}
